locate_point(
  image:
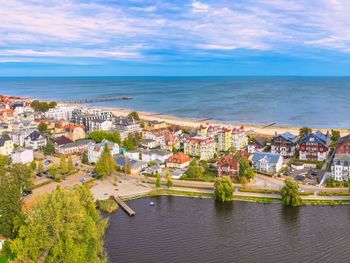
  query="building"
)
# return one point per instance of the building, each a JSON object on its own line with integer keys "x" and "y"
{"x": 22, "y": 155}
{"x": 129, "y": 165}
{"x": 148, "y": 143}
{"x": 59, "y": 141}
{"x": 6, "y": 145}
{"x": 239, "y": 138}
{"x": 95, "y": 150}
{"x": 155, "y": 125}
{"x": 228, "y": 165}
{"x": 340, "y": 168}
{"x": 169, "y": 142}
{"x": 60, "y": 112}
{"x": 179, "y": 160}
{"x": 135, "y": 155}
{"x": 200, "y": 146}
{"x": 284, "y": 144}
{"x": 35, "y": 140}
{"x": 127, "y": 126}
{"x": 315, "y": 146}
{"x": 71, "y": 148}
{"x": 267, "y": 162}
{"x": 153, "y": 155}
{"x": 19, "y": 136}
{"x": 74, "y": 132}
{"x": 85, "y": 116}
{"x": 258, "y": 145}
{"x": 100, "y": 125}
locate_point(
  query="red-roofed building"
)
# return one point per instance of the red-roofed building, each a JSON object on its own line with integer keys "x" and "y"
{"x": 179, "y": 160}
{"x": 169, "y": 142}
{"x": 200, "y": 146}
{"x": 228, "y": 165}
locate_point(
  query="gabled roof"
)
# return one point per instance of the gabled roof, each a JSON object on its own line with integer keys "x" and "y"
{"x": 34, "y": 136}
{"x": 179, "y": 158}
{"x": 270, "y": 157}
{"x": 319, "y": 137}
{"x": 61, "y": 140}
{"x": 289, "y": 137}
{"x": 4, "y": 138}
{"x": 229, "y": 161}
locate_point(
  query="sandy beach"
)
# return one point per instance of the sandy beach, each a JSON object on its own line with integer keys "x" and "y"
{"x": 255, "y": 129}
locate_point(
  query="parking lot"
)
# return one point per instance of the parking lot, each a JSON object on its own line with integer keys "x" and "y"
{"x": 306, "y": 175}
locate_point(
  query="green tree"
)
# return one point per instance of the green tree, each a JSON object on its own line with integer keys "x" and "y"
{"x": 245, "y": 170}
{"x": 85, "y": 158}
{"x": 63, "y": 227}
{"x": 52, "y": 104}
{"x": 304, "y": 131}
{"x": 99, "y": 136}
{"x": 63, "y": 165}
{"x": 42, "y": 127}
{"x": 49, "y": 149}
{"x": 23, "y": 176}
{"x": 290, "y": 193}
{"x": 70, "y": 165}
{"x": 40, "y": 168}
{"x": 169, "y": 179}
{"x": 223, "y": 189}
{"x": 158, "y": 180}
{"x": 33, "y": 165}
{"x": 106, "y": 164}
{"x": 11, "y": 205}
{"x": 54, "y": 173}
{"x": 335, "y": 136}
{"x": 134, "y": 115}
{"x": 4, "y": 160}
{"x": 232, "y": 149}
{"x": 196, "y": 170}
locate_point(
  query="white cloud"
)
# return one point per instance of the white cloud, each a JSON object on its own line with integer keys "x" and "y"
{"x": 199, "y": 7}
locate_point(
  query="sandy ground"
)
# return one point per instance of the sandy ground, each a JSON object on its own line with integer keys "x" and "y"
{"x": 270, "y": 130}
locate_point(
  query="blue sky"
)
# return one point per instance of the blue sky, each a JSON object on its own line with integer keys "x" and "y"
{"x": 174, "y": 37}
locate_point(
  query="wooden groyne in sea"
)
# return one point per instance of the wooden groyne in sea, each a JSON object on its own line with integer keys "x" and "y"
{"x": 90, "y": 100}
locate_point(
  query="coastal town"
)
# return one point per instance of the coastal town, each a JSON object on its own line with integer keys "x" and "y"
{"x": 35, "y": 132}
{"x": 125, "y": 156}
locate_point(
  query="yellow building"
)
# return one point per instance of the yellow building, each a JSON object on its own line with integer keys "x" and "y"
{"x": 74, "y": 132}
{"x": 154, "y": 125}
{"x": 6, "y": 145}
{"x": 200, "y": 146}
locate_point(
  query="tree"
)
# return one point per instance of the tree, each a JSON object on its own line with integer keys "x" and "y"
{"x": 70, "y": 165}
{"x": 158, "y": 180}
{"x": 290, "y": 193}
{"x": 42, "y": 127}
{"x": 33, "y": 165}
{"x": 223, "y": 189}
{"x": 335, "y": 136}
{"x": 53, "y": 172}
{"x": 11, "y": 205}
{"x": 106, "y": 164}
{"x": 134, "y": 115}
{"x": 196, "y": 170}
{"x": 99, "y": 136}
{"x": 304, "y": 131}
{"x": 245, "y": 171}
{"x": 4, "y": 160}
{"x": 169, "y": 179}
{"x": 23, "y": 176}
{"x": 131, "y": 142}
{"x": 232, "y": 149}
{"x": 85, "y": 158}
{"x": 49, "y": 149}
{"x": 42, "y": 106}
{"x": 63, "y": 165}
{"x": 63, "y": 227}
{"x": 40, "y": 168}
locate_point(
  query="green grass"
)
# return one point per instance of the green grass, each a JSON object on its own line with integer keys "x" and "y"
{"x": 178, "y": 193}
{"x": 324, "y": 193}
{"x": 4, "y": 259}
{"x": 262, "y": 200}
{"x": 306, "y": 193}
{"x": 42, "y": 184}
{"x": 325, "y": 202}
{"x": 108, "y": 205}
{"x": 255, "y": 190}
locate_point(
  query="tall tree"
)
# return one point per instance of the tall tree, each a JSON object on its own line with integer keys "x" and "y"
{"x": 158, "y": 180}
{"x": 169, "y": 179}
{"x": 63, "y": 227}
{"x": 290, "y": 193}
{"x": 85, "y": 158}
{"x": 335, "y": 136}
{"x": 134, "y": 115}
{"x": 63, "y": 165}
{"x": 106, "y": 164}
{"x": 49, "y": 149}
{"x": 10, "y": 205}
{"x": 196, "y": 170}
{"x": 23, "y": 176}
{"x": 223, "y": 189}
{"x": 42, "y": 127}
{"x": 245, "y": 170}
{"x": 304, "y": 131}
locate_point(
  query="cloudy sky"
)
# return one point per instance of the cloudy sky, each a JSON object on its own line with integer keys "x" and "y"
{"x": 174, "y": 37}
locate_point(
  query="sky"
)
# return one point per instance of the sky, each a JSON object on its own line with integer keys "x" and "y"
{"x": 174, "y": 37}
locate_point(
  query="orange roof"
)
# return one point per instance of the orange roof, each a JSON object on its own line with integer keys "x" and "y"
{"x": 179, "y": 158}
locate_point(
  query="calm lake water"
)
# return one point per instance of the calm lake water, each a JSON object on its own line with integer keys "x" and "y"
{"x": 296, "y": 101}
{"x": 180, "y": 229}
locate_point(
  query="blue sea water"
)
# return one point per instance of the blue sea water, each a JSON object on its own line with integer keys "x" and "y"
{"x": 297, "y": 101}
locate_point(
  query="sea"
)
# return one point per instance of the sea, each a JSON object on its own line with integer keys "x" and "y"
{"x": 285, "y": 101}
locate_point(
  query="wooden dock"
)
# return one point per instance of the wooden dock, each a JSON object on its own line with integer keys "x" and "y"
{"x": 123, "y": 205}
{"x": 90, "y": 100}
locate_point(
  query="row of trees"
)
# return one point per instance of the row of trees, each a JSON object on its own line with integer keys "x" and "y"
{"x": 42, "y": 106}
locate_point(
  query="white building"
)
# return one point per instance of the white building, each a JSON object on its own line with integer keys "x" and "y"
{"x": 133, "y": 155}
{"x": 35, "y": 140}
{"x": 340, "y": 168}
{"x": 267, "y": 162}
{"x": 153, "y": 155}
{"x": 19, "y": 136}
{"x": 95, "y": 150}
{"x": 60, "y": 112}
{"x": 100, "y": 125}
{"x": 22, "y": 155}
{"x": 127, "y": 126}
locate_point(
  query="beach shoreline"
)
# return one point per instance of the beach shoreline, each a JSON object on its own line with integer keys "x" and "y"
{"x": 194, "y": 123}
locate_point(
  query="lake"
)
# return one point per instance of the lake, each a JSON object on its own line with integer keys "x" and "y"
{"x": 179, "y": 229}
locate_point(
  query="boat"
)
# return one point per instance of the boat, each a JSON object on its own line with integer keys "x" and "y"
{"x": 126, "y": 98}
{"x": 151, "y": 204}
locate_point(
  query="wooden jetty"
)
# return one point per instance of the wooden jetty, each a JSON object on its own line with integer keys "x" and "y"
{"x": 123, "y": 205}
{"x": 90, "y": 100}
{"x": 271, "y": 124}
